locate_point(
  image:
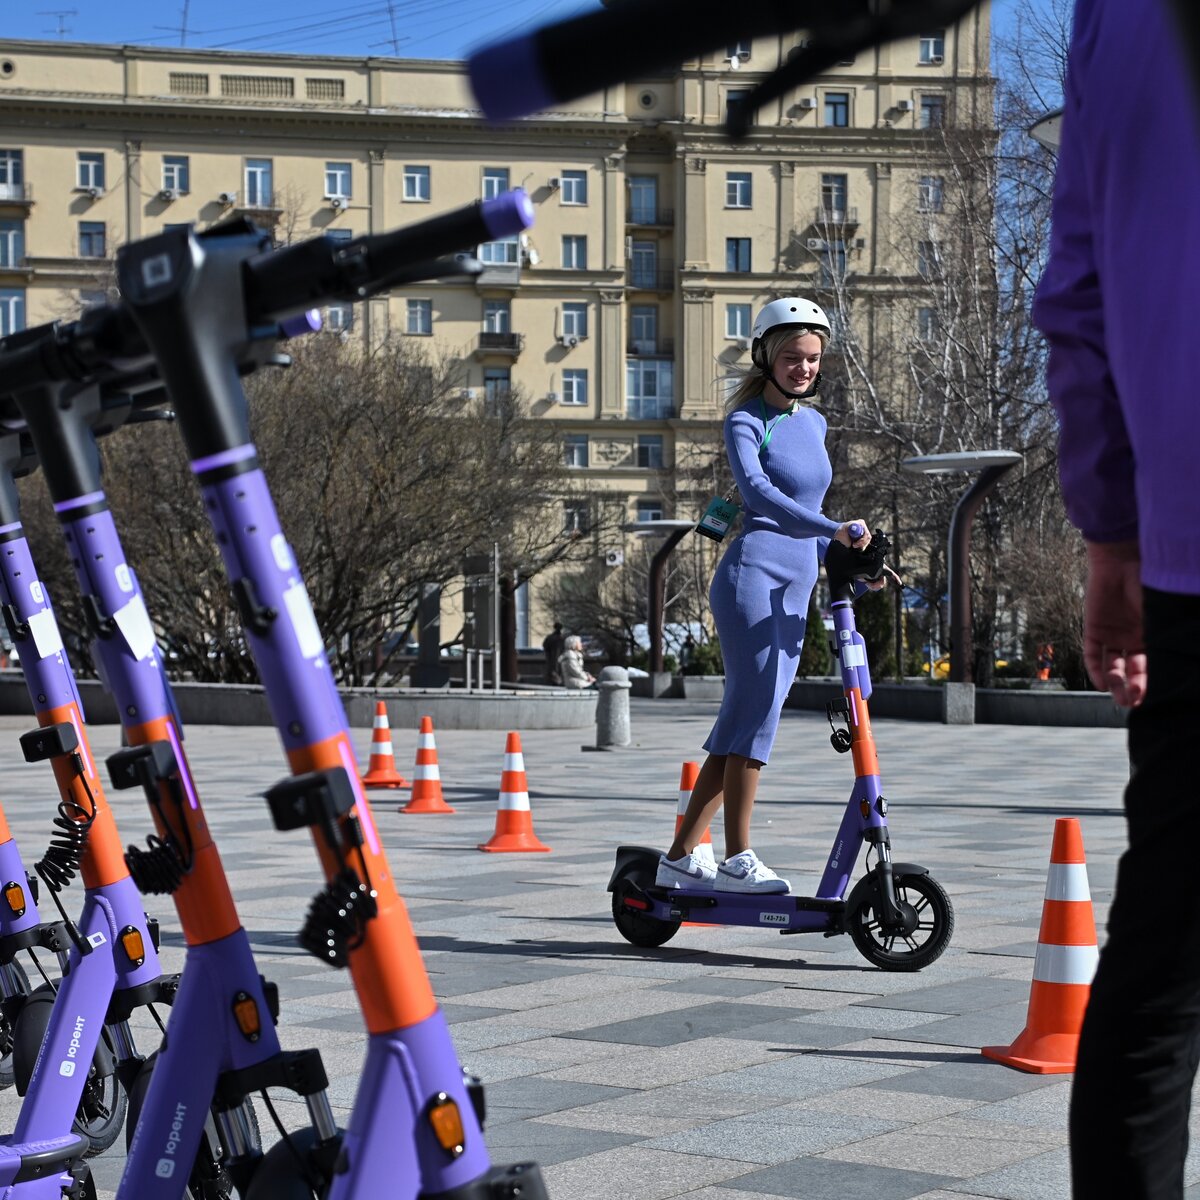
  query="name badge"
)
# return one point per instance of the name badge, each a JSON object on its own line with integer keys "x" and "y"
{"x": 718, "y": 518}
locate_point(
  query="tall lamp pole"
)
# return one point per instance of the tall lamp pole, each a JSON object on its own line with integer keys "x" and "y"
{"x": 672, "y": 532}
{"x": 992, "y": 466}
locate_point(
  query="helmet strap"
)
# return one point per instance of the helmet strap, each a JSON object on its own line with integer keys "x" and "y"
{"x": 812, "y": 391}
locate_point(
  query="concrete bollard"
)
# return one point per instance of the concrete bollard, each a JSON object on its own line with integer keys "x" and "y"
{"x": 958, "y": 704}
{"x": 612, "y": 709}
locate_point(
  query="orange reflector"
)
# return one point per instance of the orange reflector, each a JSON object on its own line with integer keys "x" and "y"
{"x": 864, "y": 806}
{"x": 245, "y": 1012}
{"x": 14, "y": 894}
{"x": 132, "y": 944}
{"x": 447, "y": 1124}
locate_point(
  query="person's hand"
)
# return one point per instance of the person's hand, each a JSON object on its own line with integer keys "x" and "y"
{"x": 843, "y": 534}
{"x": 1114, "y": 646}
{"x": 875, "y": 585}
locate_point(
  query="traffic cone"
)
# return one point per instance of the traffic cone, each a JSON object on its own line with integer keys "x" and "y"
{"x": 381, "y": 769}
{"x": 687, "y": 781}
{"x": 1063, "y": 968}
{"x": 514, "y": 821}
{"x": 427, "y": 780}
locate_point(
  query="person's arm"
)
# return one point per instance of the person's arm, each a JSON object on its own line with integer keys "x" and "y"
{"x": 743, "y": 436}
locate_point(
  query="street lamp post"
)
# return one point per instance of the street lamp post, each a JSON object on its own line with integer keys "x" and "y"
{"x": 992, "y": 466}
{"x": 672, "y": 532}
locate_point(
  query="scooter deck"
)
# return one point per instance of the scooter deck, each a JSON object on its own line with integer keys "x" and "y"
{"x": 801, "y": 914}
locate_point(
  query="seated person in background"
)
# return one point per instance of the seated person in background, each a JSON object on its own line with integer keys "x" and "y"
{"x": 570, "y": 665}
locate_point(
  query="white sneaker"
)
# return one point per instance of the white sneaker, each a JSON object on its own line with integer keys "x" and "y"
{"x": 704, "y": 852}
{"x": 690, "y": 871}
{"x": 745, "y": 873}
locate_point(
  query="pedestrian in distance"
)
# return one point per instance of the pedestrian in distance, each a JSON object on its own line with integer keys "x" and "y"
{"x": 1116, "y": 305}
{"x": 552, "y": 647}
{"x": 775, "y": 440}
{"x": 571, "y": 667}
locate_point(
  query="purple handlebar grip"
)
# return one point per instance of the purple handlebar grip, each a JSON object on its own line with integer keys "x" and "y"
{"x": 301, "y": 323}
{"x": 508, "y": 213}
{"x": 506, "y": 78}
{"x": 856, "y": 530}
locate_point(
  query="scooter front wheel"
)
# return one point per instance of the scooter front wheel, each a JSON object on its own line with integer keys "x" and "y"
{"x": 928, "y": 923}
{"x": 633, "y": 924}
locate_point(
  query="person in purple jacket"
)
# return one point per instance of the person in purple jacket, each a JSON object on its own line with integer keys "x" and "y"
{"x": 1116, "y": 303}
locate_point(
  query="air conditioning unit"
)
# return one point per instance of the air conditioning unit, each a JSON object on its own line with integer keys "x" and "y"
{"x": 814, "y": 243}
{"x": 555, "y": 183}
{"x": 169, "y": 194}
{"x": 337, "y": 203}
{"x": 94, "y": 192}
{"x": 614, "y": 558}
{"x": 554, "y": 397}
{"x": 808, "y": 102}
{"x": 742, "y": 343}
{"x": 936, "y": 59}
{"x": 569, "y": 341}
{"x": 227, "y": 198}
{"x": 466, "y": 393}
{"x": 904, "y": 105}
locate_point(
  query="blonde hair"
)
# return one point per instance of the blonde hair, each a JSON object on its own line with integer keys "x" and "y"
{"x": 752, "y": 379}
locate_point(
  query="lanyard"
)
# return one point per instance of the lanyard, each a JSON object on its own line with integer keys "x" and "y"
{"x": 769, "y": 426}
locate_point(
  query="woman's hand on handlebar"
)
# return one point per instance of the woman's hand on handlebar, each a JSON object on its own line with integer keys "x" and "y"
{"x": 846, "y": 536}
{"x": 876, "y": 585}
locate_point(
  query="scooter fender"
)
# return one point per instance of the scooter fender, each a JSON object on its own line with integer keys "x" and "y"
{"x": 629, "y": 857}
{"x": 868, "y": 886}
{"x": 30, "y": 1029}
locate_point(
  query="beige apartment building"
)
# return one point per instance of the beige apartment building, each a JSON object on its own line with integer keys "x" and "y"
{"x": 655, "y": 239}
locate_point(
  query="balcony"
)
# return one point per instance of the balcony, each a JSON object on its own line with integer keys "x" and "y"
{"x": 499, "y": 275}
{"x": 651, "y": 218}
{"x": 835, "y": 216}
{"x": 16, "y": 195}
{"x": 503, "y": 344}
{"x": 15, "y": 268}
{"x": 264, "y": 212}
{"x": 651, "y": 348}
{"x": 657, "y": 278}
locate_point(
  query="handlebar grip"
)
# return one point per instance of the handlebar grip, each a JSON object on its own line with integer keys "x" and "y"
{"x": 308, "y": 321}
{"x": 856, "y": 530}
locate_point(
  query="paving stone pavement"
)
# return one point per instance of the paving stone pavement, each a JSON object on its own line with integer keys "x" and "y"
{"x": 728, "y": 1064}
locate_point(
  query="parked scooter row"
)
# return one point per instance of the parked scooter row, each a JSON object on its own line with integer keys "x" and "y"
{"x": 199, "y": 311}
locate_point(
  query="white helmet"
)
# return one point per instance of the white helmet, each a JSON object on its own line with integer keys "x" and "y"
{"x": 792, "y": 312}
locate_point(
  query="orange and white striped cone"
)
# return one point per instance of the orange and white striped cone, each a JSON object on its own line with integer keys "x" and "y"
{"x": 1063, "y": 968}
{"x": 427, "y": 779}
{"x": 514, "y": 821}
{"x": 381, "y": 769}
{"x": 703, "y": 848}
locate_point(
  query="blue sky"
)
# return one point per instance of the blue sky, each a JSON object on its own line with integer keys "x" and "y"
{"x": 410, "y": 28}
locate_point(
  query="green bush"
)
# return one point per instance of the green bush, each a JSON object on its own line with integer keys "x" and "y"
{"x": 814, "y": 657}
{"x": 705, "y": 659}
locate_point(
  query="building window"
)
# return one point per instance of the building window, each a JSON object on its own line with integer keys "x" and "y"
{"x": 497, "y": 384}
{"x": 340, "y": 235}
{"x": 927, "y": 259}
{"x": 737, "y": 254}
{"x": 928, "y": 324}
{"x": 12, "y": 243}
{"x": 737, "y": 189}
{"x": 176, "y": 173}
{"x": 734, "y": 98}
{"x": 575, "y": 516}
{"x": 649, "y": 510}
{"x": 643, "y": 199}
{"x": 833, "y": 262}
{"x": 738, "y": 50}
{"x": 574, "y": 252}
{"x": 91, "y": 239}
{"x": 416, "y": 184}
{"x": 835, "y": 191}
{"x": 933, "y": 112}
{"x": 504, "y": 253}
{"x": 930, "y": 193}
{"x": 12, "y": 174}
{"x": 575, "y": 320}
{"x": 89, "y": 170}
{"x": 575, "y": 449}
{"x": 837, "y": 108}
{"x": 497, "y": 316}
{"x": 737, "y": 320}
{"x": 643, "y": 264}
{"x": 12, "y": 310}
{"x": 575, "y": 387}
{"x": 259, "y": 192}
{"x": 495, "y": 181}
{"x": 337, "y": 180}
{"x": 649, "y": 388}
{"x": 574, "y": 187}
{"x": 339, "y": 317}
{"x": 933, "y": 47}
{"x": 650, "y": 451}
{"x": 643, "y": 328}
{"x": 420, "y": 317}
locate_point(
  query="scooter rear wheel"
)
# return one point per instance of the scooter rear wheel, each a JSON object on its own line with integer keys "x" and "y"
{"x": 635, "y": 926}
{"x": 928, "y": 925}
{"x": 19, "y": 982}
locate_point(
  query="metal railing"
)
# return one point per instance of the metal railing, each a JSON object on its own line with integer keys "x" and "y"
{"x": 650, "y": 216}
{"x": 501, "y": 343}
